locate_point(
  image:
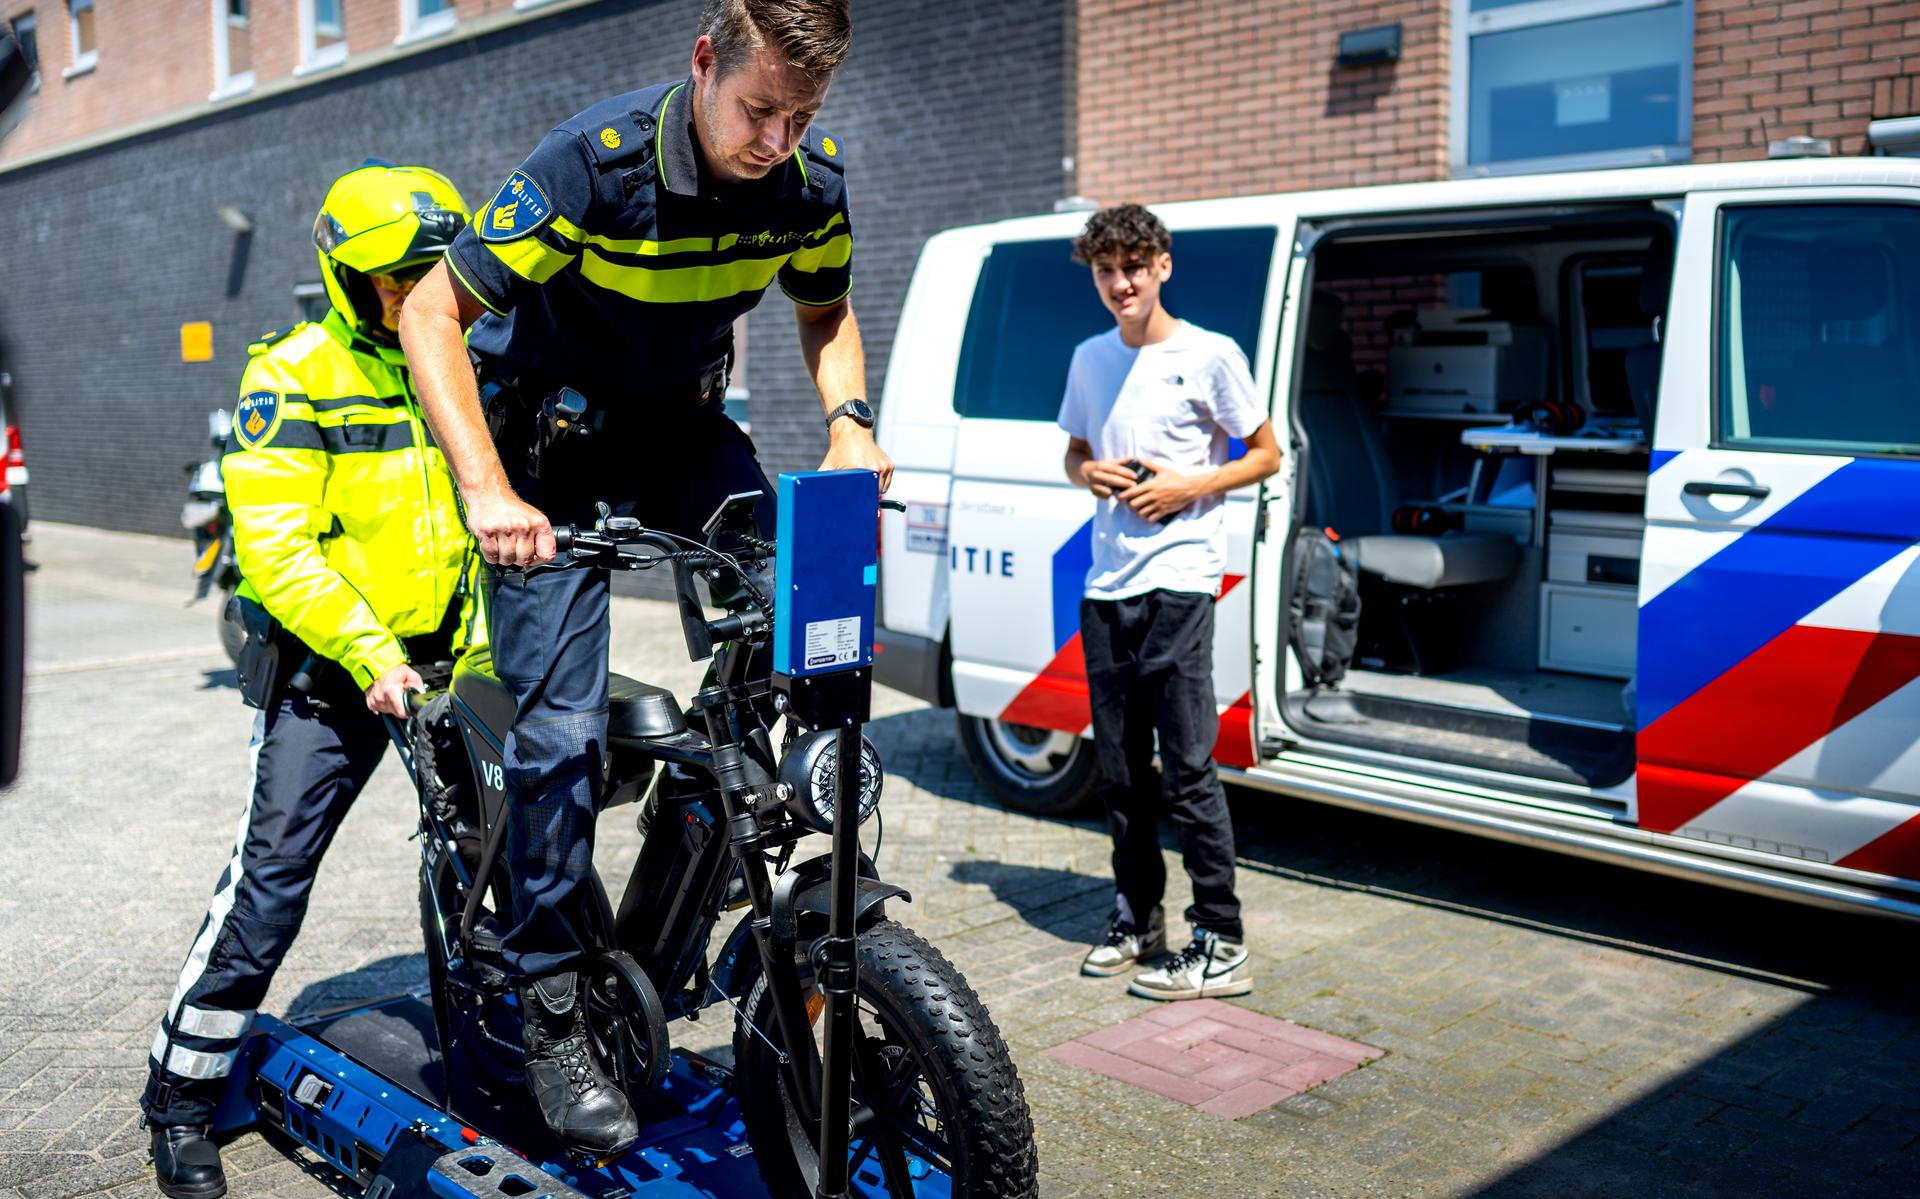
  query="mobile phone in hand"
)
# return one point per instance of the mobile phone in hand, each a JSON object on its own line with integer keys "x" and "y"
{"x": 1141, "y": 473}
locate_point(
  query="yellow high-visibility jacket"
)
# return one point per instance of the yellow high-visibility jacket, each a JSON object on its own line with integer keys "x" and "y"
{"x": 345, "y": 521}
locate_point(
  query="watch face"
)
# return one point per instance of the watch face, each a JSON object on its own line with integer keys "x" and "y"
{"x": 861, "y": 411}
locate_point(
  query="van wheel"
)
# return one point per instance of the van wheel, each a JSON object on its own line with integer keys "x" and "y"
{"x": 1034, "y": 770}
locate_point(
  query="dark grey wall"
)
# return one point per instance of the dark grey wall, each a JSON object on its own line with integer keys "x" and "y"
{"x": 950, "y": 112}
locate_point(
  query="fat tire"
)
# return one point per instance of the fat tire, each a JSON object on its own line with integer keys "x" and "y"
{"x": 959, "y": 1049}
{"x": 1067, "y": 792}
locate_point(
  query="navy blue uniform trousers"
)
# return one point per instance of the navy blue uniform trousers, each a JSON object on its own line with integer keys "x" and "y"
{"x": 549, "y": 634}
{"x": 309, "y": 765}
{"x": 1150, "y": 671}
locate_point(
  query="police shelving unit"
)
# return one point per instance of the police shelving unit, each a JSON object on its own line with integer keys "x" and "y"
{"x": 362, "y": 1086}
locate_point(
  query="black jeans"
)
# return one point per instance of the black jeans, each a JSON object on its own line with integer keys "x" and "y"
{"x": 1150, "y": 670}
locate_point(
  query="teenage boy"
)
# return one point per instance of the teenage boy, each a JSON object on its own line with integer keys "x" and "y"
{"x": 1150, "y": 408}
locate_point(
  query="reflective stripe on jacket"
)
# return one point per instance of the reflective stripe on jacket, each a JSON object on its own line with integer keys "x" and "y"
{"x": 345, "y": 521}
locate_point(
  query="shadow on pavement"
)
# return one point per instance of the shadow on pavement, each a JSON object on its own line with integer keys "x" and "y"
{"x": 376, "y": 980}
{"x": 213, "y": 680}
{"x": 1041, "y": 895}
{"x": 1821, "y": 1098}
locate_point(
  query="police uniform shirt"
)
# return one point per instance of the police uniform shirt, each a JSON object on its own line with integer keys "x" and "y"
{"x": 610, "y": 263}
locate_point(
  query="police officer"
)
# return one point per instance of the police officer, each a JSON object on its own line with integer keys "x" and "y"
{"x": 350, "y": 541}
{"x": 614, "y": 261}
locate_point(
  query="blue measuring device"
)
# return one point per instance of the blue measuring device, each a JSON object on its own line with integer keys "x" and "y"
{"x": 828, "y": 569}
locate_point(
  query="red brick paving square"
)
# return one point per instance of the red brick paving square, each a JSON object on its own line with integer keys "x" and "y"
{"x": 1219, "y": 1058}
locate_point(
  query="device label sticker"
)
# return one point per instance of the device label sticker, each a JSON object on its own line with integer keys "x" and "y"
{"x": 833, "y": 642}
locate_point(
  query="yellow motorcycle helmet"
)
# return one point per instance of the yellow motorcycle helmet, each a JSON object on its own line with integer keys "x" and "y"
{"x": 381, "y": 219}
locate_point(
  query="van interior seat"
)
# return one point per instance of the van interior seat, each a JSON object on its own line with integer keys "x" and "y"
{"x": 1351, "y": 486}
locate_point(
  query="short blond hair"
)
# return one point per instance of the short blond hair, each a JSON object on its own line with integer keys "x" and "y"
{"x": 813, "y": 35}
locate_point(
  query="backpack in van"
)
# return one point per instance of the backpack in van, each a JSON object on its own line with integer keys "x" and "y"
{"x": 1323, "y": 607}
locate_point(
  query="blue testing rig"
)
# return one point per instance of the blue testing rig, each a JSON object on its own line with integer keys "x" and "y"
{"x": 362, "y": 1086}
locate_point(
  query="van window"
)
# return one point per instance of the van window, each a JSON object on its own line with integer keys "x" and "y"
{"x": 1034, "y": 304}
{"x": 1819, "y": 328}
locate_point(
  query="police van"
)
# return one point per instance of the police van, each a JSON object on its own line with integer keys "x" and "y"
{"x": 1628, "y": 463}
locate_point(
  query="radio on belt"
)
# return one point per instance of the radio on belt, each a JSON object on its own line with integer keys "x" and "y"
{"x": 824, "y": 587}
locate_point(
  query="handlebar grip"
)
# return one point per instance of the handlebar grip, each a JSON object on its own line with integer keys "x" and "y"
{"x": 563, "y": 538}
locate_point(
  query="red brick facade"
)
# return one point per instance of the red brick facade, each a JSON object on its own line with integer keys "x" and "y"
{"x": 1180, "y": 99}
{"x": 157, "y": 57}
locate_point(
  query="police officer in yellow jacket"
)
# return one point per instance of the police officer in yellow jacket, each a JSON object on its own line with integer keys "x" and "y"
{"x": 352, "y": 547}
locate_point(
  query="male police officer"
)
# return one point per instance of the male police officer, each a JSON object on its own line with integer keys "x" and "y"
{"x": 350, "y": 542}
{"x": 614, "y": 262}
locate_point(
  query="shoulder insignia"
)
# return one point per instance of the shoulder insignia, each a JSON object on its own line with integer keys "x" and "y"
{"x": 618, "y": 139}
{"x": 518, "y": 210}
{"x": 827, "y": 152}
{"x": 257, "y": 418}
{"x": 265, "y": 341}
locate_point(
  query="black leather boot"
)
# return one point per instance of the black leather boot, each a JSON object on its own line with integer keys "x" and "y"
{"x": 578, "y": 1103}
{"x": 186, "y": 1163}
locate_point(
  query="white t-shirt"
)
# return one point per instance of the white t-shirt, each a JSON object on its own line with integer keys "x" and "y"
{"x": 1178, "y": 401}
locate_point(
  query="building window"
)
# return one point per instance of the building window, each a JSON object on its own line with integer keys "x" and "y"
{"x": 425, "y": 18}
{"x": 27, "y": 30}
{"x": 1567, "y": 84}
{"x": 323, "y": 34}
{"x": 86, "y": 53}
{"x": 232, "y": 47}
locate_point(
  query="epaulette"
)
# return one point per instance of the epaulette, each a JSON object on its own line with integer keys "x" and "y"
{"x": 821, "y": 149}
{"x": 621, "y": 139}
{"x": 260, "y": 344}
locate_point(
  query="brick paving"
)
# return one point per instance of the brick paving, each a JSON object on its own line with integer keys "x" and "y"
{"x": 1548, "y": 1027}
{"x": 1222, "y": 1059}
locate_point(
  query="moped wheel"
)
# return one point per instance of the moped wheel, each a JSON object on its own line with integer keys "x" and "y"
{"x": 626, "y": 1023}
{"x": 939, "y": 1108}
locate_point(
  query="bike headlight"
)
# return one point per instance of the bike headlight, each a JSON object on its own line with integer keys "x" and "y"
{"x": 811, "y": 775}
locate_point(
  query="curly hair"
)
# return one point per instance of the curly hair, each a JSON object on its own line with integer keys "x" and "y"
{"x": 813, "y": 35}
{"x": 1120, "y": 230}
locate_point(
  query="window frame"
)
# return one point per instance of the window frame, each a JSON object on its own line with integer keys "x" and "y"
{"x": 1717, "y": 437}
{"x": 227, "y": 83}
{"x": 1467, "y": 25}
{"x": 415, "y": 27}
{"x": 314, "y": 56}
{"x": 80, "y": 61}
{"x": 26, "y": 27}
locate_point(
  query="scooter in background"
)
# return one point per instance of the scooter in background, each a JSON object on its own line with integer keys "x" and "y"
{"x": 205, "y": 514}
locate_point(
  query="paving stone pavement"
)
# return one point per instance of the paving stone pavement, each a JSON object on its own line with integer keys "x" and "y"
{"x": 1551, "y": 1027}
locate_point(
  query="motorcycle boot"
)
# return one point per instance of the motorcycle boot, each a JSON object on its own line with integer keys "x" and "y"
{"x": 577, "y": 1101}
{"x": 186, "y": 1163}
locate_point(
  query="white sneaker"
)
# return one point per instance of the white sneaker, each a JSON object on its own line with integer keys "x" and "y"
{"x": 1210, "y": 965}
{"x": 1125, "y": 946}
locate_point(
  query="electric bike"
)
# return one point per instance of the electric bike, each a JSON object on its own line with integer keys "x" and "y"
{"x": 927, "y": 1101}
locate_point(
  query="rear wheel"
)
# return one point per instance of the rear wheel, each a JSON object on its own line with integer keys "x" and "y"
{"x": 1034, "y": 770}
{"x": 938, "y": 1105}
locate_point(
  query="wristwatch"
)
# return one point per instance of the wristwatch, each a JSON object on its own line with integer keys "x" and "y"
{"x": 859, "y": 410}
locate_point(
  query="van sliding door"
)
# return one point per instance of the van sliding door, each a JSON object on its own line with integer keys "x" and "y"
{"x": 1779, "y": 642}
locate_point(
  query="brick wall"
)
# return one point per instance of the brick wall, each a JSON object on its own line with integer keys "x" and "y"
{"x": 1180, "y": 99}
{"x": 1821, "y": 67}
{"x": 157, "y": 56}
{"x": 949, "y": 111}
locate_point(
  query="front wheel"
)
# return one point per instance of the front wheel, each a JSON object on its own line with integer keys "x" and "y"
{"x": 1033, "y": 770}
{"x": 938, "y": 1105}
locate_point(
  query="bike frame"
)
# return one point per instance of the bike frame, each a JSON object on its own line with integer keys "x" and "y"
{"x": 673, "y": 898}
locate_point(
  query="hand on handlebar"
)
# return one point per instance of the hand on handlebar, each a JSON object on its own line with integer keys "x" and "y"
{"x": 511, "y": 532}
{"x": 388, "y": 694}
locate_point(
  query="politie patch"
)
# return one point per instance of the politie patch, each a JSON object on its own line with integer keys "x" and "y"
{"x": 519, "y": 209}
{"x": 257, "y": 418}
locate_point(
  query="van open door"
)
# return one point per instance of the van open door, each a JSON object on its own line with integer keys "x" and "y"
{"x": 1780, "y": 602}
{"x": 1020, "y": 536}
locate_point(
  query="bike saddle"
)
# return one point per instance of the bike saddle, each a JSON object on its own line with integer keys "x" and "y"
{"x": 637, "y": 709}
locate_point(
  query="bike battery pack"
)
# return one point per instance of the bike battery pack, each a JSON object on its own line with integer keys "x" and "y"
{"x": 825, "y": 580}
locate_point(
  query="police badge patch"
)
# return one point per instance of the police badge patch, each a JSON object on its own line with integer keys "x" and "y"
{"x": 519, "y": 209}
{"x": 257, "y": 418}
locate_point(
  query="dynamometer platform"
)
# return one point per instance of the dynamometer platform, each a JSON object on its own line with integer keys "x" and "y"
{"x": 362, "y": 1087}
